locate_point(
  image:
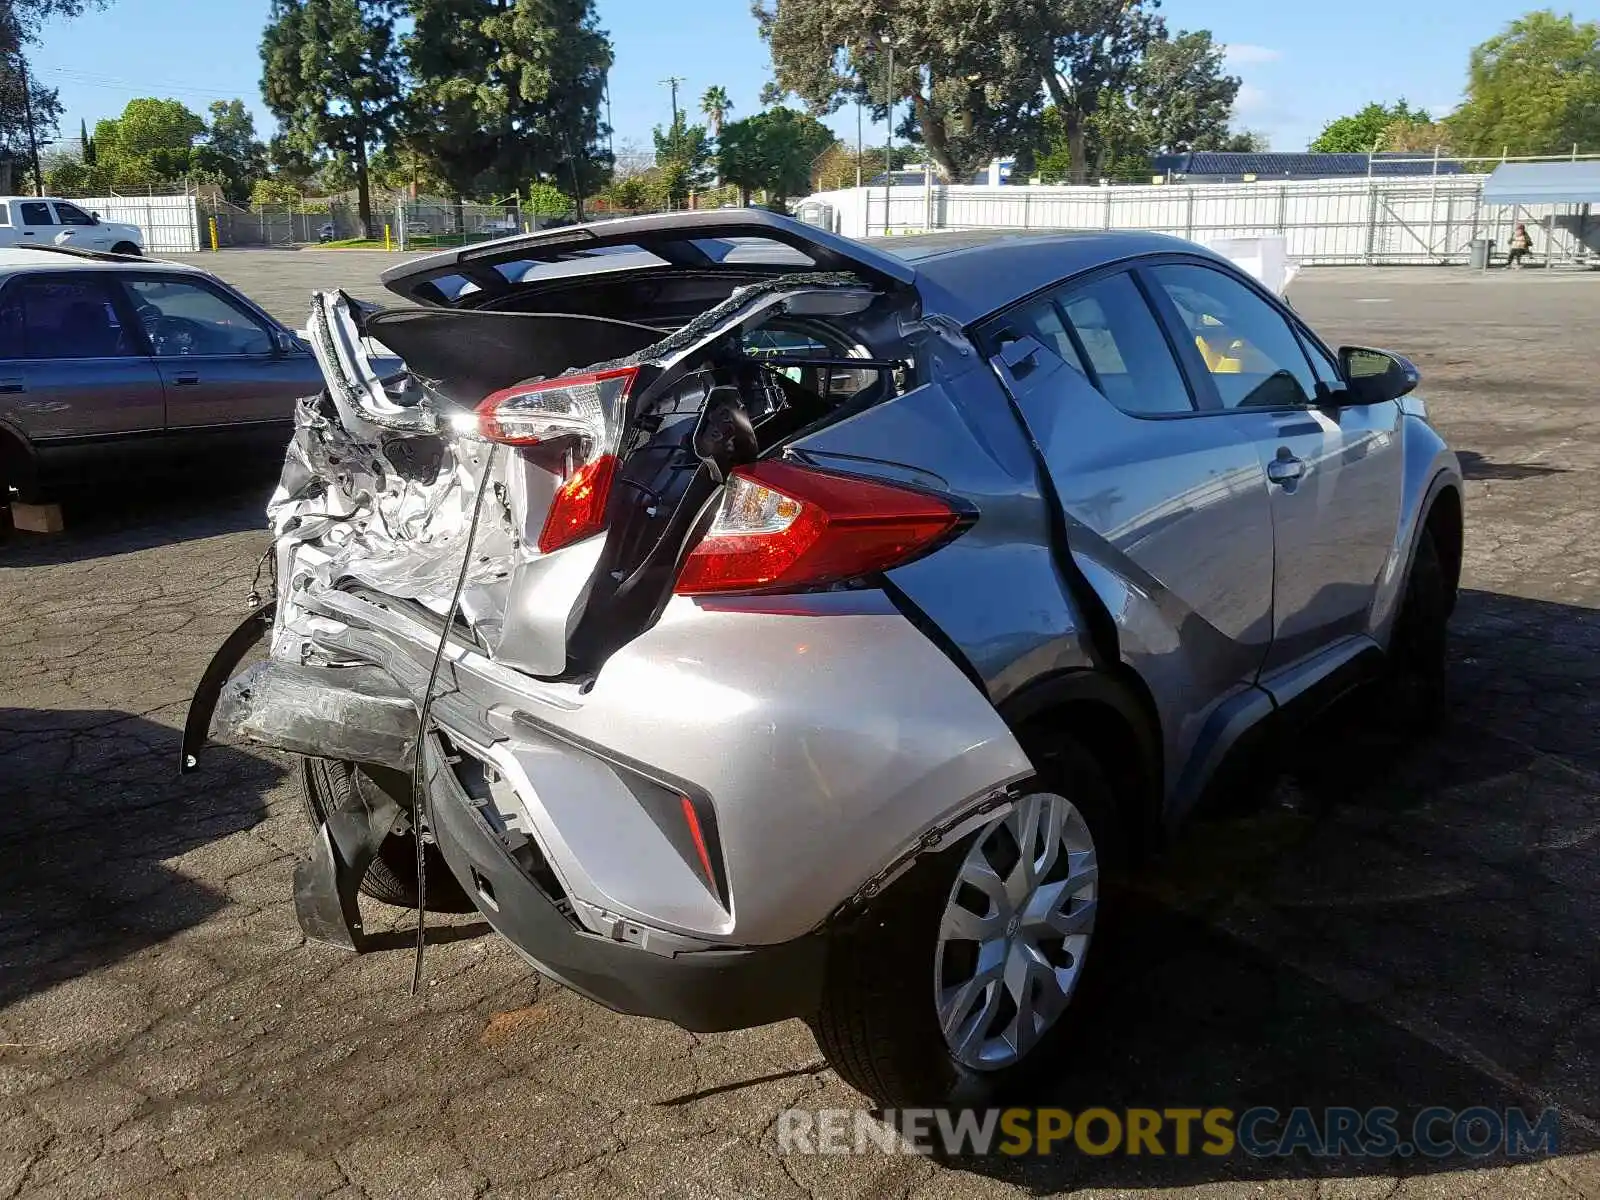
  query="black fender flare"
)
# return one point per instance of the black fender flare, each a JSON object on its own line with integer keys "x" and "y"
{"x": 1106, "y": 691}
{"x": 203, "y": 705}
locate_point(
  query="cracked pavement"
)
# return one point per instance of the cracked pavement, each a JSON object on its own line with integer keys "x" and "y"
{"x": 1403, "y": 925}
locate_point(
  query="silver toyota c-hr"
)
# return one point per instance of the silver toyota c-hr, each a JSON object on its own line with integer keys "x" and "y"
{"x": 755, "y": 623}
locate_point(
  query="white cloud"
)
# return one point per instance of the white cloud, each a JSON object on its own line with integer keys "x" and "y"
{"x": 1243, "y": 54}
{"x": 1251, "y": 99}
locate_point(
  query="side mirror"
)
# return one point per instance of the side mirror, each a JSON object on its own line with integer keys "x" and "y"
{"x": 96, "y": 217}
{"x": 285, "y": 343}
{"x": 1376, "y": 375}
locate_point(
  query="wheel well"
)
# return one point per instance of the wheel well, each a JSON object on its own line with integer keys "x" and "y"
{"x": 1445, "y": 524}
{"x": 125, "y": 248}
{"x": 1113, "y": 719}
{"x": 17, "y": 468}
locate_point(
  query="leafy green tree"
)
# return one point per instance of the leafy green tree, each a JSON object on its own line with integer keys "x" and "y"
{"x": 274, "y": 191}
{"x": 231, "y": 151}
{"x": 508, "y": 91}
{"x": 20, "y": 22}
{"x": 1181, "y": 96}
{"x": 966, "y": 76}
{"x": 1362, "y": 132}
{"x": 684, "y": 155}
{"x": 716, "y": 106}
{"x": 547, "y": 200}
{"x": 772, "y": 151}
{"x": 1172, "y": 99}
{"x": 150, "y": 145}
{"x": 1534, "y": 88}
{"x": 331, "y": 75}
{"x": 1092, "y": 53}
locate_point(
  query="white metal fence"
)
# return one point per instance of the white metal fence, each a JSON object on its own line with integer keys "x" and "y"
{"x": 171, "y": 224}
{"x": 1410, "y": 219}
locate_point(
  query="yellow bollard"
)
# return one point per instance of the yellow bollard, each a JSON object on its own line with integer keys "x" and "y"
{"x": 387, "y": 244}
{"x": 213, "y": 233}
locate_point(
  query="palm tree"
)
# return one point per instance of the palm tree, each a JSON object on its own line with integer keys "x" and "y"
{"x": 716, "y": 105}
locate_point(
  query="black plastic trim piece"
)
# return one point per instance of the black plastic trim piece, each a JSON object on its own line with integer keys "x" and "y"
{"x": 203, "y": 706}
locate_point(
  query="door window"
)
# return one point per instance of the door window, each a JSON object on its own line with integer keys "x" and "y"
{"x": 1040, "y": 320}
{"x": 60, "y": 317}
{"x": 1253, "y": 356}
{"x": 1126, "y": 356}
{"x": 184, "y": 318}
{"x": 5, "y": 213}
{"x": 71, "y": 214}
{"x": 36, "y": 212}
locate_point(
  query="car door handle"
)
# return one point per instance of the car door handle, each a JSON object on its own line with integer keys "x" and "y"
{"x": 184, "y": 378}
{"x": 1286, "y": 468}
{"x": 12, "y": 386}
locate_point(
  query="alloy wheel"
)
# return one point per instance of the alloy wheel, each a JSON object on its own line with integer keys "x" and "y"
{"x": 1015, "y": 932}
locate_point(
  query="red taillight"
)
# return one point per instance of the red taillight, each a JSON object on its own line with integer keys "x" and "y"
{"x": 580, "y": 418}
{"x": 579, "y": 507}
{"x": 782, "y": 527}
{"x": 588, "y": 407}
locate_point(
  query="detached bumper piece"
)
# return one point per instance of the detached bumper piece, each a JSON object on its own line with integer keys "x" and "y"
{"x": 706, "y": 991}
{"x": 354, "y": 713}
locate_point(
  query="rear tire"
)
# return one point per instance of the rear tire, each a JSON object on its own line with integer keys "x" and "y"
{"x": 890, "y": 970}
{"x": 326, "y": 783}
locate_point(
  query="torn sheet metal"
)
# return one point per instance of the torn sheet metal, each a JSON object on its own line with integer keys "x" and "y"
{"x": 379, "y": 481}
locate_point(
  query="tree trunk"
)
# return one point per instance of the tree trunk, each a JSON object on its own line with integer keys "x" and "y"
{"x": 1076, "y": 150}
{"x": 935, "y": 139}
{"x": 363, "y": 184}
{"x": 1072, "y": 114}
{"x": 744, "y": 197}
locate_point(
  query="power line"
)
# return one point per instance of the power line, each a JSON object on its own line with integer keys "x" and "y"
{"x": 112, "y": 82}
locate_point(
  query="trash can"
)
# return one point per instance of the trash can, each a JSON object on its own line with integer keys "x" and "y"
{"x": 1482, "y": 248}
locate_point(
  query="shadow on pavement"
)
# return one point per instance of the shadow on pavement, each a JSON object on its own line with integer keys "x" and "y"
{"x": 1412, "y": 926}
{"x": 143, "y": 515}
{"x": 93, "y": 811}
{"x": 1476, "y": 466}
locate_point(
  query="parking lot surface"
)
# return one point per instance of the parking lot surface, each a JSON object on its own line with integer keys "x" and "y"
{"x": 1404, "y": 926}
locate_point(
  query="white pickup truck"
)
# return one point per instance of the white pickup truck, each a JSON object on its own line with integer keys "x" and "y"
{"x": 43, "y": 220}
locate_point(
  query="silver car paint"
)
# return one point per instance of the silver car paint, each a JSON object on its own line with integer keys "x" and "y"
{"x": 825, "y": 730}
{"x": 1171, "y": 523}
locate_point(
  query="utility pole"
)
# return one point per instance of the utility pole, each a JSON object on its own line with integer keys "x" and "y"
{"x": 888, "y": 139}
{"x": 672, "y": 81}
{"x": 611, "y": 133}
{"x": 33, "y": 141}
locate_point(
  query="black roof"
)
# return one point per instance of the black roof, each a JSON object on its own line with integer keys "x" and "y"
{"x": 1269, "y": 165}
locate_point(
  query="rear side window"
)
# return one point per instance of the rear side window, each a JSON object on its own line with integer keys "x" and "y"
{"x": 1040, "y": 320}
{"x": 60, "y": 317}
{"x": 35, "y": 212}
{"x": 1252, "y": 355}
{"x": 1124, "y": 352}
{"x": 5, "y": 213}
{"x": 70, "y": 214}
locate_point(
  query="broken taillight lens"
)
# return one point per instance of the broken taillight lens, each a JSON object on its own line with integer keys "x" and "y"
{"x": 586, "y": 407}
{"x": 783, "y": 527}
{"x": 580, "y": 416}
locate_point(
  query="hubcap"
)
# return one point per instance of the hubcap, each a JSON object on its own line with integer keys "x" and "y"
{"x": 1015, "y": 932}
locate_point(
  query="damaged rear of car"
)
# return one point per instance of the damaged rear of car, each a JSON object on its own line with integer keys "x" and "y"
{"x": 678, "y": 723}
{"x": 753, "y": 624}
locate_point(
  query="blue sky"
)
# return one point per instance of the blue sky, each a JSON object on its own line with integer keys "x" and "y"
{"x": 1302, "y": 64}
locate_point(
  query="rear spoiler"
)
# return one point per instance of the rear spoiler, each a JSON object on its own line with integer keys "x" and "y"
{"x": 679, "y": 239}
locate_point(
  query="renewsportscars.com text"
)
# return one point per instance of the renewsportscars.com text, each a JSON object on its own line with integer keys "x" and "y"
{"x": 1259, "y": 1132}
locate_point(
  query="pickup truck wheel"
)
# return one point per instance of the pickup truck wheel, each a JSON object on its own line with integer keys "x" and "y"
{"x": 392, "y": 878}
{"x": 953, "y": 987}
{"x": 1415, "y": 688}
{"x": 126, "y": 248}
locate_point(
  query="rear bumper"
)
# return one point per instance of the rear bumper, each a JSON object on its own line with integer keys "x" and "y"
{"x": 672, "y": 837}
{"x": 708, "y": 991}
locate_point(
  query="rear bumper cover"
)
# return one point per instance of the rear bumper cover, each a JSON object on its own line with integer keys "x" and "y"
{"x": 707, "y": 991}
